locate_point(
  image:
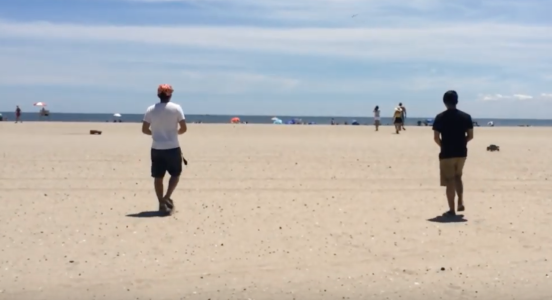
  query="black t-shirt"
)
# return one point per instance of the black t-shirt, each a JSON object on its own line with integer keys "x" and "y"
{"x": 453, "y": 125}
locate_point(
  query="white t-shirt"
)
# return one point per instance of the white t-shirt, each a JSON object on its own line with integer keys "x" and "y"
{"x": 163, "y": 119}
{"x": 376, "y": 115}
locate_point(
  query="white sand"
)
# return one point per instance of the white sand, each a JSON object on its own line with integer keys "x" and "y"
{"x": 272, "y": 212}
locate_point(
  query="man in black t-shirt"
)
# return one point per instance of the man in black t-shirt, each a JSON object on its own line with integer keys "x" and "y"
{"x": 452, "y": 129}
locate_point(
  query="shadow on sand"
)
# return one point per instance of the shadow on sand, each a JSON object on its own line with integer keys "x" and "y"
{"x": 448, "y": 219}
{"x": 149, "y": 214}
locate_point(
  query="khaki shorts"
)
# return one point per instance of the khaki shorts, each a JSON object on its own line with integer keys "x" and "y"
{"x": 450, "y": 168}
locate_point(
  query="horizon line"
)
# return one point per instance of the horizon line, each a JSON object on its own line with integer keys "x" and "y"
{"x": 269, "y": 116}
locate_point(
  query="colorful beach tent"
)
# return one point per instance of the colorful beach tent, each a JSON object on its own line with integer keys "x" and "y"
{"x": 276, "y": 120}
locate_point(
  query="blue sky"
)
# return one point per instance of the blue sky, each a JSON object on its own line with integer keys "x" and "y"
{"x": 293, "y": 57}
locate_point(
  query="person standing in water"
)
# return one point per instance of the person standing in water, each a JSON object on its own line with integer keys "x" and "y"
{"x": 397, "y": 119}
{"x": 377, "y": 121}
{"x": 164, "y": 121}
{"x": 403, "y": 115}
{"x": 452, "y": 129}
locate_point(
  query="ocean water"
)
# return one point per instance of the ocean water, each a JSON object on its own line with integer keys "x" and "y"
{"x": 219, "y": 119}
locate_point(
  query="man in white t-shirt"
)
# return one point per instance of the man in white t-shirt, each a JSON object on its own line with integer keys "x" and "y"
{"x": 164, "y": 121}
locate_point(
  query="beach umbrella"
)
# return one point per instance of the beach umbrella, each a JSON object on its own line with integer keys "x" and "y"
{"x": 117, "y": 115}
{"x": 274, "y": 119}
{"x": 41, "y": 104}
{"x": 277, "y": 121}
{"x": 235, "y": 120}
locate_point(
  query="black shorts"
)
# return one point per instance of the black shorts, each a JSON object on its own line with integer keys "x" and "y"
{"x": 398, "y": 120}
{"x": 163, "y": 161}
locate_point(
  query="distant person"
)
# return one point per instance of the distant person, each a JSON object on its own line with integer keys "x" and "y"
{"x": 397, "y": 119}
{"x": 403, "y": 114}
{"x": 453, "y": 129}
{"x": 377, "y": 121}
{"x": 18, "y": 114}
{"x": 164, "y": 121}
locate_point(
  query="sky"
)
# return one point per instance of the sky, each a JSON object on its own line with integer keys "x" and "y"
{"x": 278, "y": 57}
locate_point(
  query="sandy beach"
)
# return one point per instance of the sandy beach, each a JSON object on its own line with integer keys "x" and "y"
{"x": 272, "y": 212}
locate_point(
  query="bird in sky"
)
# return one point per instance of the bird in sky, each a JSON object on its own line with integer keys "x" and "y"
{"x": 354, "y": 15}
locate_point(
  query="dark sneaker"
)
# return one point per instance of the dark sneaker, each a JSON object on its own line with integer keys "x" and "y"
{"x": 170, "y": 204}
{"x": 163, "y": 208}
{"x": 166, "y": 206}
{"x": 449, "y": 213}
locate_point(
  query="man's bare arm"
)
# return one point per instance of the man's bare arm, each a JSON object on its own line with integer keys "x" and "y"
{"x": 183, "y": 128}
{"x": 437, "y": 137}
{"x": 469, "y": 137}
{"x": 146, "y": 128}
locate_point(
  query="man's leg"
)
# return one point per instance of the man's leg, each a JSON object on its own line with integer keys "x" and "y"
{"x": 451, "y": 192}
{"x": 158, "y": 170}
{"x": 158, "y": 184}
{"x": 173, "y": 183}
{"x": 459, "y": 185}
{"x": 448, "y": 180}
{"x": 174, "y": 161}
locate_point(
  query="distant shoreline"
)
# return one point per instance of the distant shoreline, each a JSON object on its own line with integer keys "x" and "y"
{"x": 258, "y": 119}
{"x": 265, "y": 116}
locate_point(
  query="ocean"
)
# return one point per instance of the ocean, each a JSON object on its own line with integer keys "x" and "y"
{"x": 220, "y": 119}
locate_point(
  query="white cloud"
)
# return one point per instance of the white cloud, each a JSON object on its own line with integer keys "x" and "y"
{"x": 522, "y": 97}
{"x": 460, "y": 43}
{"x": 372, "y": 13}
{"x": 334, "y": 9}
{"x": 495, "y": 97}
{"x": 117, "y": 70}
{"x": 514, "y": 97}
{"x": 479, "y": 48}
{"x": 29, "y": 72}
